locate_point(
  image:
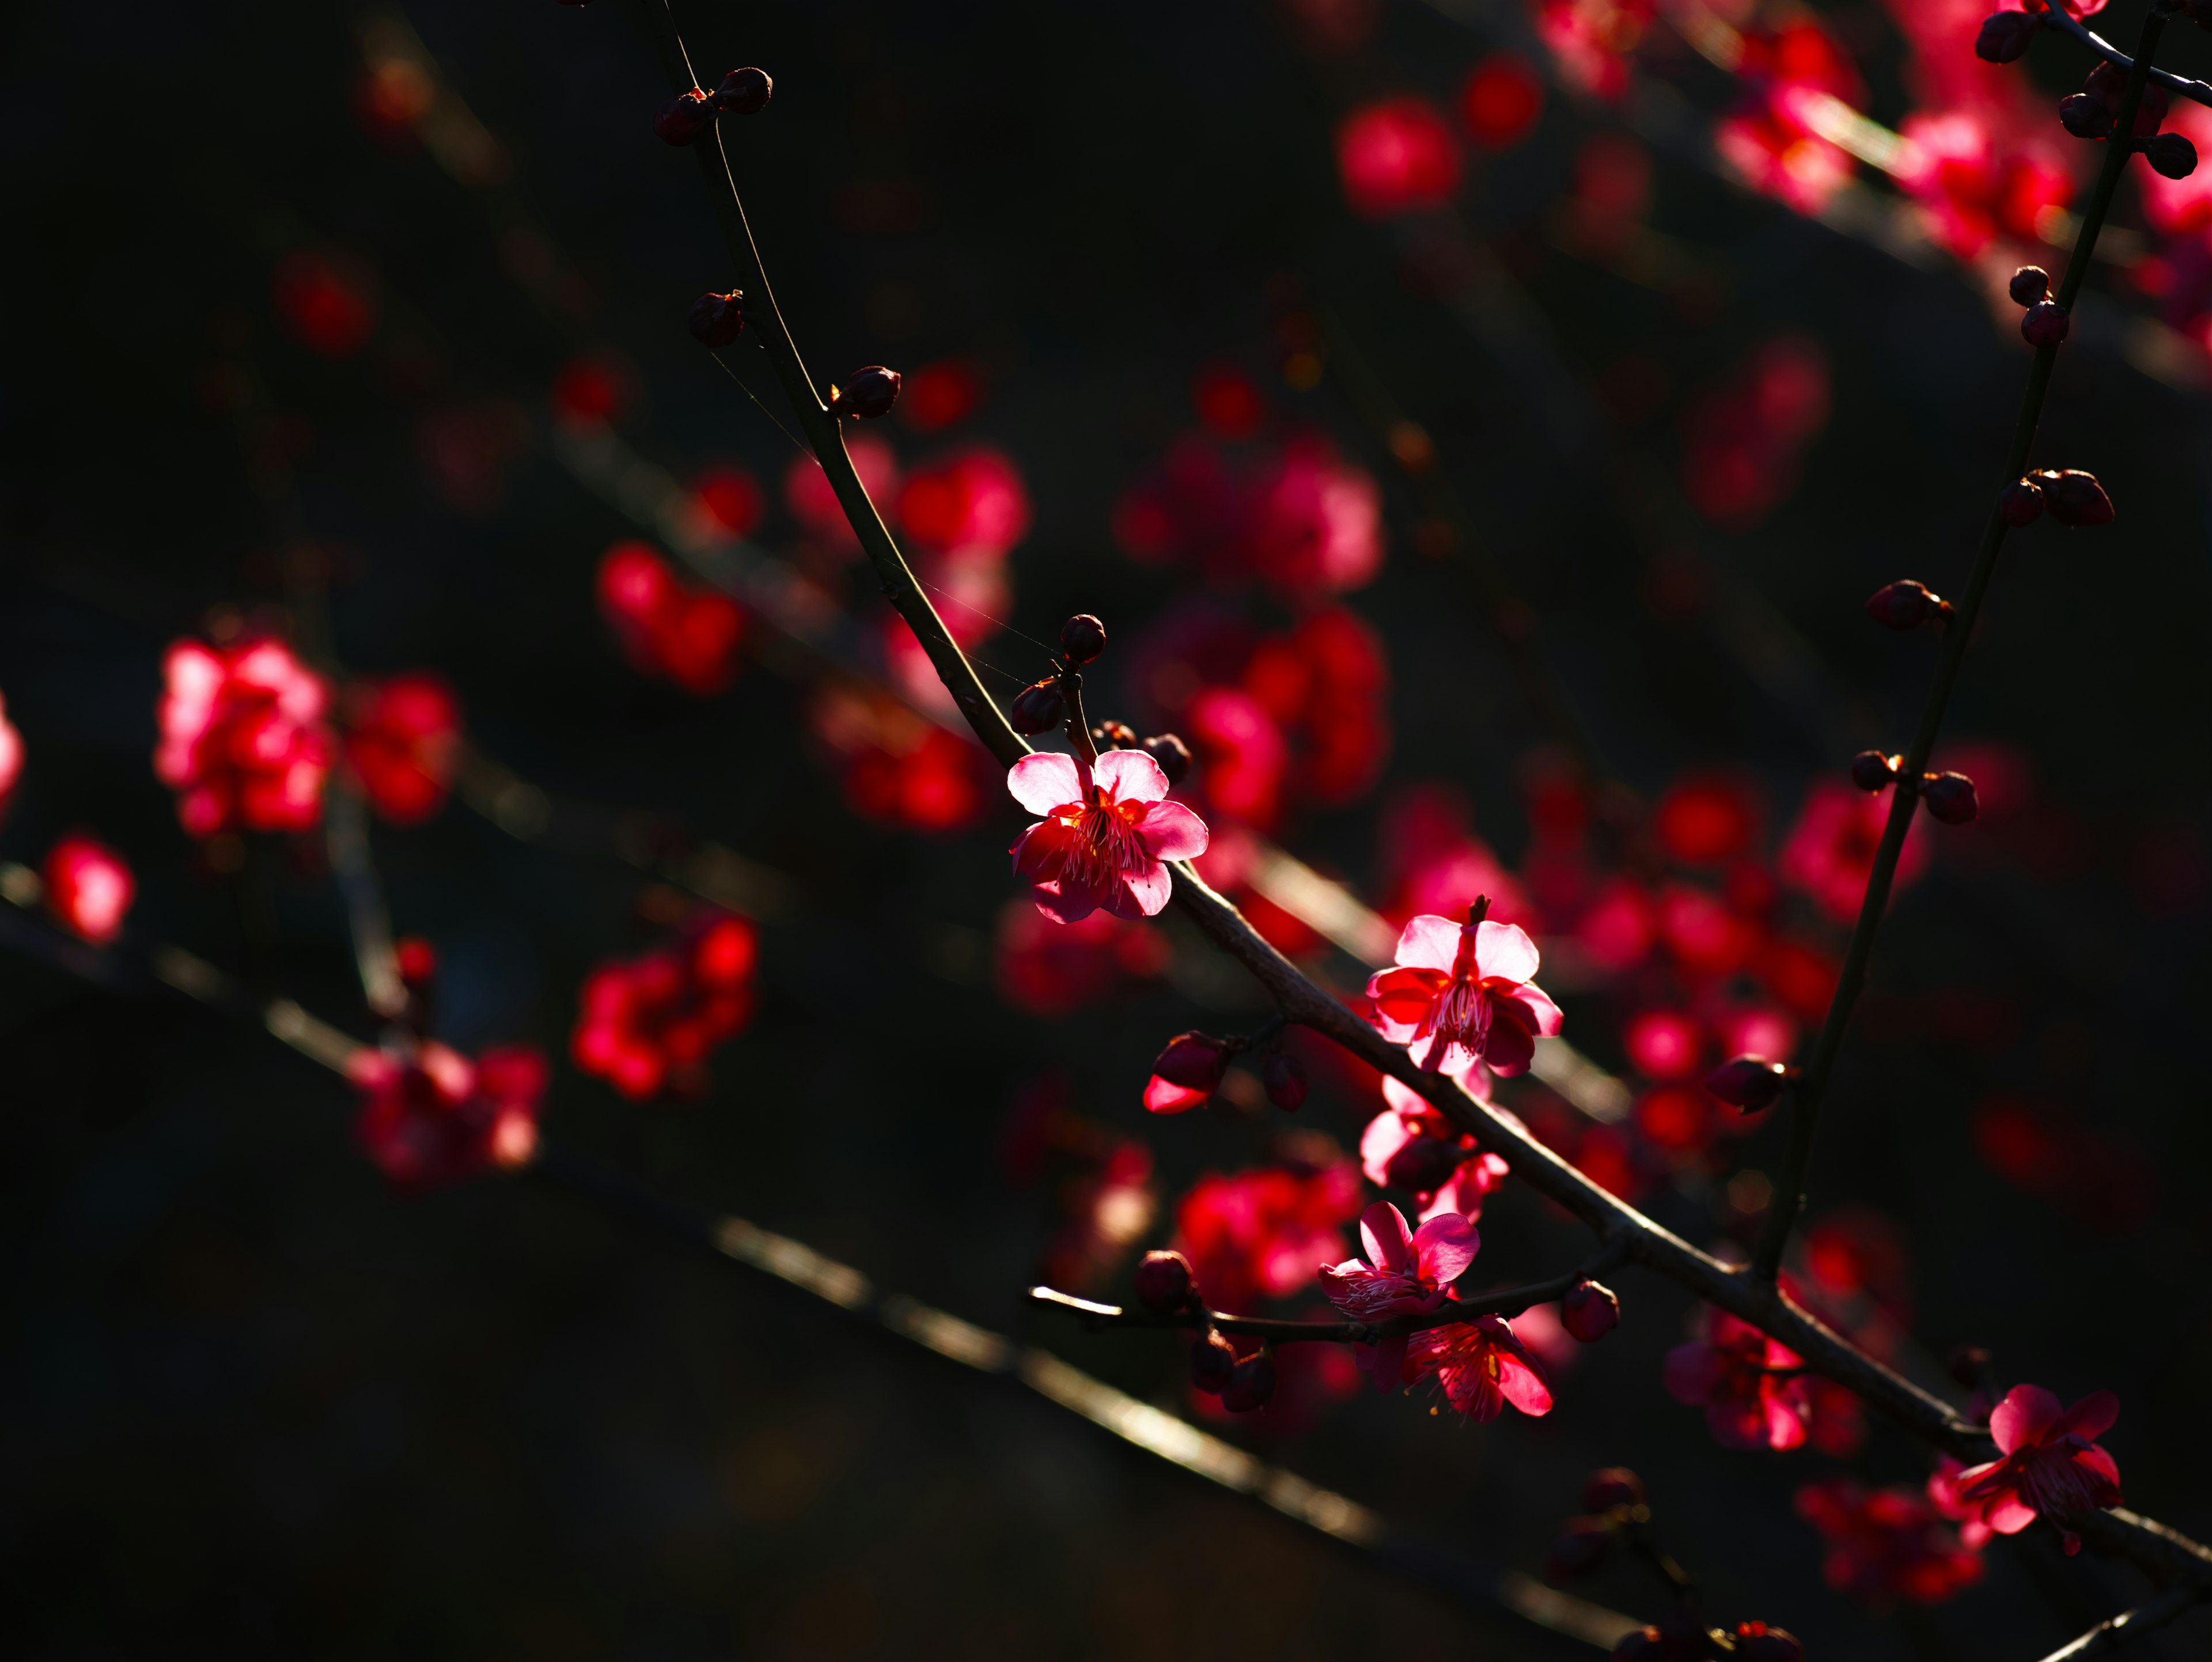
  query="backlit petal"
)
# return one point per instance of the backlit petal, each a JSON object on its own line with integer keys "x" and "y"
{"x": 1171, "y": 832}
{"x": 1048, "y": 780}
{"x": 1130, "y": 775}
{"x": 2027, "y": 1412}
{"x": 1429, "y": 942}
{"x": 1383, "y": 1232}
{"x": 1505, "y": 949}
{"x": 1141, "y": 894}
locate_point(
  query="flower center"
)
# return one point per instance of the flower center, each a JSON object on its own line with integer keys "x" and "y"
{"x": 1462, "y": 1015}
{"x": 1107, "y": 844}
{"x": 2053, "y": 1482}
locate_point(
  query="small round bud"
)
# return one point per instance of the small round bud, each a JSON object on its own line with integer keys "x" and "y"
{"x": 1194, "y": 1061}
{"x": 1284, "y": 1077}
{"x": 1039, "y": 708}
{"x": 416, "y": 960}
{"x": 1082, "y": 638}
{"x": 1251, "y": 1383}
{"x": 684, "y": 120}
{"x": 1611, "y": 1487}
{"x": 1905, "y": 604}
{"x": 1969, "y": 1366}
{"x": 2020, "y": 502}
{"x": 1949, "y": 797}
{"x": 2084, "y": 115}
{"x": 744, "y": 92}
{"x": 1422, "y": 1165}
{"x": 2172, "y": 154}
{"x": 2075, "y": 497}
{"x": 1114, "y": 735}
{"x": 874, "y": 392}
{"x": 2031, "y": 282}
{"x": 1871, "y": 770}
{"x": 1212, "y": 1359}
{"x": 2106, "y": 82}
{"x": 1163, "y": 1281}
{"x": 716, "y": 320}
{"x": 1590, "y": 1311}
{"x": 1172, "y": 754}
{"x": 2043, "y": 325}
{"x": 1751, "y": 1084}
{"x": 1756, "y": 1642}
{"x": 2004, "y": 36}
{"x": 1581, "y": 1548}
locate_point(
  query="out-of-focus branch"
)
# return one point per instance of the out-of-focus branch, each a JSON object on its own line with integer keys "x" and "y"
{"x": 2147, "y": 1618}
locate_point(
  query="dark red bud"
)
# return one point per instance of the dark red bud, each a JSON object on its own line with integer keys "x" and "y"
{"x": 415, "y": 958}
{"x": 2020, "y": 502}
{"x": 874, "y": 392}
{"x": 2005, "y": 36}
{"x": 1756, "y": 1642}
{"x": 2075, "y": 497}
{"x": 1752, "y": 1084}
{"x": 1581, "y": 1548}
{"x": 1163, "y": 1281}
{"x": 1614, "y": 1485}
{"x": 2031, "y": 282}
{"x": 2045, "y": 324}
{"x": 1422, "y": 1165}
{"x": 684, "y": 120}
{"x": 2084, "y": 115}
{"x": 1212, "y": 1359}
{"x": 716, "y": 320}
{"x": 1251, "y": 1383}
{"x": 1114, "y": 735}
{"x": 744, "y": 92}
{"x": 2106, "y": 82}
{"x": 1590, "y": 1311}
{"x": 2172, "y": 154}
{"x": 1969, "y": 1366}
{"x": 1082, "y": 638}
{"x": 1039, "y": 708}
{"x": 1871, "y": 770}
{"x": 1172, "y": 754}
{"x": 1284, "y": 1077}
{"x": 1949, "y": 797}
{"x": 1192, "y": 1060}
{"x": 1905, "y": 603}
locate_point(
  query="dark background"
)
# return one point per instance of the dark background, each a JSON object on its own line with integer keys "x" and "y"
{"x": 252, "y": 1402}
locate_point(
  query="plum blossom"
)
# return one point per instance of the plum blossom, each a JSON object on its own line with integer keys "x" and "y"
{"x": 432, "y": 1116}
{"x": 1105, "y": 834}
{"x": 1480, "y": 1367}
{"x": 1409, "y": 1144}
{"x": 2051, "y": 1464}
{"x": 11, "y": 756}
{"x": 1888, "y": 1542}
{"x": 1468, "y": 990}
{"x": 403, "y": 739}
{"x": 243, "y": 737}
{"x": 88, "y": 888}
{"x": 1405, "y": 1274}
{"x": 652, "y": 1021}
{"x": 1748, "y": 1385}
{"x": 1264, "y": 1232}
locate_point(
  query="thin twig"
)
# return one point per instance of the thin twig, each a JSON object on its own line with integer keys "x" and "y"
{"x": 2147, "y": 1618}
{"x": 2059, "y": 18}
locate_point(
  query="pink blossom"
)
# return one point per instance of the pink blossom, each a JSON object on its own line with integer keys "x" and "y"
{"x": 1318, "y": 522}
{"x": 668, "y": 627}
{"x": 1590, "y": 40}
{"x": 1976, "y": 182}
{"x": 1405, "y": 1273}
{"x": 1408, "y": 1120}
{"x": 1265, "y": 1232}
{"x": 403, "y": 739}
{"x": 432, "y": 1116}
{"x": 1242, "y": 754}
{"x": 1104, "y": 837}
{"x": 1887, "y": 1542}
{"x": 652, "y": 1021}
{"x": 1395, "y": 156}
{"x": 1469, "y": 990}
{"x": 1746, "y": 1383}
{"x": 11, "y": 757}
{"x": 88, "y": 888}
{"x": 243, "y": 738}
{"x": 2051, "y": 1463}
{"x": 1480, "y": 1367}
{"x": 973, "y": 503}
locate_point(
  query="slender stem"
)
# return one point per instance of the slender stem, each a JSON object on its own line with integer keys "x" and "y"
{"x": 2108, "y": 1636}
{"x": 1957, "y": 634}
{"x": 2060, "y": 18}
{"x": 1078, "y": 724}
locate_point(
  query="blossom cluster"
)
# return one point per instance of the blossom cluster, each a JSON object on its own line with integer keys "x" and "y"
{"x": 648, "y": 1024}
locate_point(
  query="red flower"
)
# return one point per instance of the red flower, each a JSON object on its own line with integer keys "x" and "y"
{"x": 1396, "y": 155}
{"x": 243, "y": 739}
{"x": 1500, "y": 100}
{"x": 652, "y": 1021}
{"x": 404, "y": 742}
{"x": 1405, "y": 1274}
{"x": 1742, "y": 441}
{"x": 666, "y": 627}
{"x": 433, "y": 1116}
{"x": 1468, "y": 990}
{"x": 1590, "y": 40}
{"x": 1104, "y": 837}
{"x": 1462, "y": 1174}
{"x": 2051, "y": 1463}
{"x": 11, "y": 757}
{"x": 1242, "y": 754}
{"x": 972, "y": 504}
{"x": 1479, "y": 1367}
{"x": 1746, "y": 1383}
{"x": 1970, "y": 190}
{"x": 1267, "y": 1231}
{"x": 1886, "y": 1543}
{"x": 88, "y": 888}
{"x": 1317, "y": 525}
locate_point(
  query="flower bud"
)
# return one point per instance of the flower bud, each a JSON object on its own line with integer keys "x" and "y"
{"x": 1114, "y": 735}
{"x": 1422, "y": 1165}
{"x": 1751, "y": 1084}
{"x": 2172, "y": 154}
{"x": 1082, "y": 638}
{"x": 1905, "y": 603}
{"x": 1949, "y": 797}
{"x": 744, "y": 92}
{"x": 1212, "y": 1359}
{"x": 1581, "y": 1548}
{"x": 2031, "y": 282}
{"x": 874, "y": 392}
{"x": 416, "y": 960}
{"x": 684, "y": 120}
{"x": 2020, "y": 502}
{"x": 2075, "y": 497}
{"x": 716, "y": 320}
{"x": 2084, "y": 115}
{"x": 1172, "y": 754}
{"x": 2106, "y": 82}
{"x": 1756, "y": 1642}
{"x": 1284, "y": 1077}
{"x": 1194, "y": 1061}
{"x": 1589, "y": 1310}
{"x": 1163, "y": 1281}
{"x": 2005, "y": 35}
{"x": 1251, "y": 1383}
{"x": 1871, "y": 770}
{"x": 2043, "y": 324}
{"x": 1611, "y": 1487}
{"x": 1039, "y": 708}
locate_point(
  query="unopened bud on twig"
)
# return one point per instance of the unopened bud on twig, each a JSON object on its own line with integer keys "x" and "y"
{"x": 1172, "y": 754}
{"x": 2075, "y": 497}
{"x": 1212, "y": 1359}
{"x": 1114, "y": 735}
{"x": 1949, "y": 797}
{"x": 744, "y": 92}
{"x": 1285, "y": 1078}
{"x": 874, "y": 392}
{"x": 684, "y": 118}
{"x": 716, "y": 320}
{"x": 1082, "y": 638}
{"x": 1581, "y": 1548}
{"x": 1611, "y": 1487}
{"x": 2020, "y": 502}
{"x": 1192, "y": 1060}
{"x": 2045, "y": 324}
{"x": 1039, "y": 708}
{"x": 2005, "y": 36}
{"x": 1163, "y": 1281}
{"x": 2031, "y": 282}
{"x": 1756, "y": 1642}
{"x": 1752, "y": 1084}
{"x": 1251, "y": 1383}
{"x": 1871, "y": 770}
{"x": 2172, "y": 154}
{"x": 1589, "y": 1310}
{"x": 2084, "y": 115}
{"x": 1905, "y": 603}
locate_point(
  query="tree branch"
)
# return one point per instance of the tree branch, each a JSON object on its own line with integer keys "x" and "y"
{"x": 2108, "y": 1636}
{"x": 2059, "y": 18}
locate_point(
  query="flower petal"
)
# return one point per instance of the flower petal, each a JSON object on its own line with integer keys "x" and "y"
{"x": 1040, "y": 851}
{"x": 1131, "y": 776}
{"x": 2025, "y": 1416}
{"x": 1386, "y": 1133}
{"x": 1429, "y": 942}
{"x": 1065, "y": 902}
{"x": 1140, "y": 894}
{"x": 1383, "y": 1232}
{"x": 2010, "y": 1515}
{"x": 1444, "y": 1246}
{"x": 1164, "y": 1097}
{"x": 2090, "y": 1418}
{"x": 1532, "y": 1006}
{"x": 1170, "y": 830}
{"x": 1523, "y": 1385}
{"x": 1509, "y": 1049}
{"x": 1405, "y": 995}
{"x": 1505, "y": 949}
{"x": 1046, "y": 780}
